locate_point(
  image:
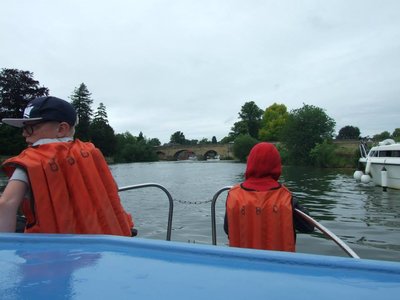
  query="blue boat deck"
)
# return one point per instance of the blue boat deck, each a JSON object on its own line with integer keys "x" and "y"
{"x": 107, "y": 267}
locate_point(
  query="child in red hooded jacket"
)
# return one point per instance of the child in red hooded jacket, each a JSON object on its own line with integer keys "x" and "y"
{"x": 260, "y": 211}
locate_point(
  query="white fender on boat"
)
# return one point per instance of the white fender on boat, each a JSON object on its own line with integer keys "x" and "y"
{"x": 365, "y": 178}
{"x": 368, "y": 167}
{"x": 384, "y": 178}
{"x": 357, "y": 175}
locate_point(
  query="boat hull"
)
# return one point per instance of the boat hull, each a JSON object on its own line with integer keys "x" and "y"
{"x": 383, "y": 157}
{"x": 392, "y": 167}
{"x": 109, "y": 267}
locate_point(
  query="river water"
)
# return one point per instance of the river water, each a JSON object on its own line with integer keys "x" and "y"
{"x": 362, "y": 215}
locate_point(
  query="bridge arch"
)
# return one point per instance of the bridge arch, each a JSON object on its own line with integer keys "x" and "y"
{"x": 210, "y": 154}
{"x": 184, "y": 154}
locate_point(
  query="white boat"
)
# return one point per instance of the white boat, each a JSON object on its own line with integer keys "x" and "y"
{"x": 189, "y": 158}
{"x": 214, "y": 158}
{"x": 381, "y": 164}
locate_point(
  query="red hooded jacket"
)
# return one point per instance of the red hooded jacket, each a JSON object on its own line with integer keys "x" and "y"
{"x": 259, "y": 211}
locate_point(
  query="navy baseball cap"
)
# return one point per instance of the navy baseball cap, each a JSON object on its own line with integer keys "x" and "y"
{"x": 45, "y": 109}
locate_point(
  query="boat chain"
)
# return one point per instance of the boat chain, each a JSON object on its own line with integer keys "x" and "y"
{"x": 192, "y": 202}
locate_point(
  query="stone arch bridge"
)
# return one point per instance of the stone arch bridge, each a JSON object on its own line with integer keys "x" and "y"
{"x": 201, "y": 152}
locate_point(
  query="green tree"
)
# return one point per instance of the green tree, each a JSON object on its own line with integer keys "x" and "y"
{"x": 238, "y": 128}
{"x": 323, "y": 154}
{"x": 130, "y": 149}
{"x": 178, "y": 138}
{"x": 381, "y": 136}
{"x": 304, "y": 129}
{"x": 214, "y": 140}
{"x": 11, "y": 140}
{"x": 17, "y": 88}
{"x": 192, "y": 142}
{"x": 274, "y": 119}
{"x": 227, "y": 139}
{"x": 250, "y": 120}
{"x": 101, "y": 133}
{"x": 82, "y": 102}
{"x": 396, "y": 134}
{"x": 348, "y": 132}
{"x": 204, "y": 141}
{"x": 243, "y": 145}
{"x": 154, "y": 142}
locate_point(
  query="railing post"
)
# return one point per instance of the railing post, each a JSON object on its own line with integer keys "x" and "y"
{"x": 213, "y": 222}
{"x": 171, "y": 203}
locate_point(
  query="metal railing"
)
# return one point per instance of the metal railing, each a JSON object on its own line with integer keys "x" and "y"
{"x": 171, "y": 203}
{"x": 309, "y": 219}
{"x": 328, "y": 233}
{"x": 213, "y": 222}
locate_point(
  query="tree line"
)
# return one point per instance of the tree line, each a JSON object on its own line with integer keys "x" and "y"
{"x": 303, "y": 136}
{"x": 18, "y": 87}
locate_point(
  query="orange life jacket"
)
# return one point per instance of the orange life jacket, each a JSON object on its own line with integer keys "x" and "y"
{"x": 260, "y": 219}
{"x": 73, "y": 190}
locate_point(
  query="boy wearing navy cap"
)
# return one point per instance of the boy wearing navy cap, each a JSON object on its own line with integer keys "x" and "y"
{"x": 62, "y": 185}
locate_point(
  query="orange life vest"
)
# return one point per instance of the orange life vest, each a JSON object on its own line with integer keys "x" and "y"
{"x": 73, "y": 190}
{"x": 260, "y": 219}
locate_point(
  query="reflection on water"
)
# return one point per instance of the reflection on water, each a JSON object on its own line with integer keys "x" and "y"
{"x": 364, "y": 216}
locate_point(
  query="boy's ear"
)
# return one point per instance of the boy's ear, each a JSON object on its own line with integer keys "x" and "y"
{"x": 63, "y": 129}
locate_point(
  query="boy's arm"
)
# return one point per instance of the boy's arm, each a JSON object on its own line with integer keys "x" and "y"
{"x": 10, "y": 200}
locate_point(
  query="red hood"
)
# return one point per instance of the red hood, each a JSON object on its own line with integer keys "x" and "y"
{"x": 263, "y": 168}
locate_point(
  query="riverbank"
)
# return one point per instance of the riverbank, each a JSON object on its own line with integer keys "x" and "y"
{"x": 345, "y": 154}
{"x": 348, "y": 152}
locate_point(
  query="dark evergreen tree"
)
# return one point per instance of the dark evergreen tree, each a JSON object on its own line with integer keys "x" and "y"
{"x": 82, "y": 102}
{"x": 101, "y": 133}
{"x": 140, "y": 137}
{"x": 214, "y": 140}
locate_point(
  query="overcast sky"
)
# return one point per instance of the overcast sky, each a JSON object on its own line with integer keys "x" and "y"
{"x": 166, "y": 66}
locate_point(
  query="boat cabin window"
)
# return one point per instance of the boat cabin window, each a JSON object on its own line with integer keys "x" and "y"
{"x": 389, "y": 153}
{"x": 396, "y": 153}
